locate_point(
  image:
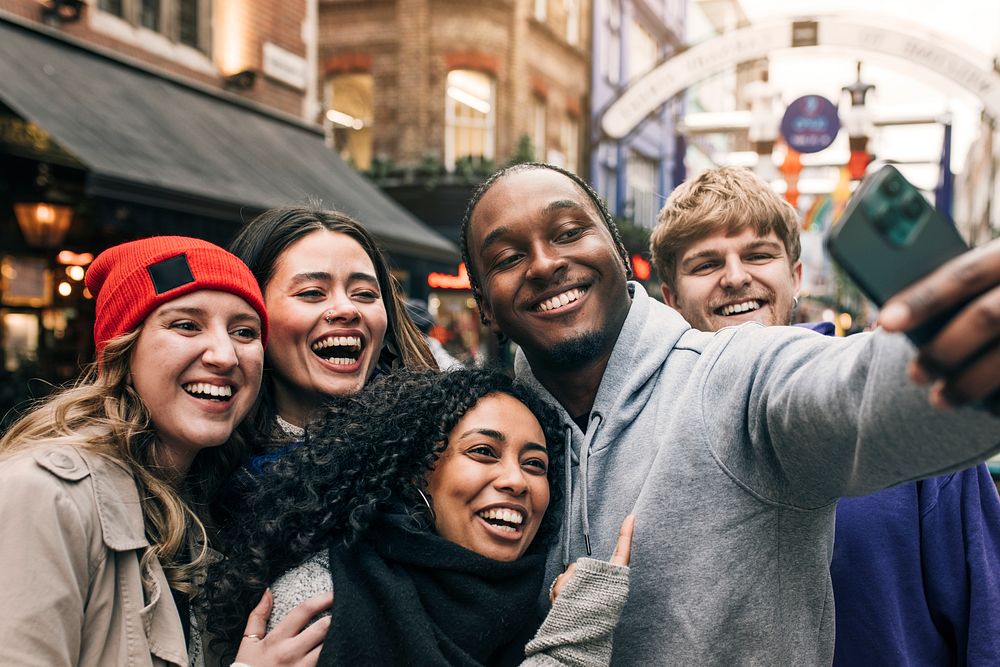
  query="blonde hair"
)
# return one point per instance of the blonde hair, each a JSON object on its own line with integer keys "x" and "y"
{"x": 103, "y": 414}
{"x": 726, "y": 199}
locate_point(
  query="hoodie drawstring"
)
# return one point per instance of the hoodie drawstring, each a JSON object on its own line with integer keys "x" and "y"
{"x": 568, "y": 499}
{"x": 592, "y": 427}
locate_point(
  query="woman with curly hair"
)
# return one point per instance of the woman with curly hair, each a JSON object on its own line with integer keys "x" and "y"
{"x": 421, "y": 502}
{"x": 100, "y": 540}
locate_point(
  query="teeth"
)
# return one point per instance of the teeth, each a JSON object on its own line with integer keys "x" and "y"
{"x": 503, "y": 514}
{"x": 353, "y": 342}
{"x": 561, "y": 300}
{"x": 225, "y": 391}
{"x": 740, "y": 307}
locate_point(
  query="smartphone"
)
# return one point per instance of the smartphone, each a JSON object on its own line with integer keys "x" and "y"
{"x": 888, "y": 237}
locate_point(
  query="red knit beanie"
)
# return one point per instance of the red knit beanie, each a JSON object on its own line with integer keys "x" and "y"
{"x": 132, "y": 279}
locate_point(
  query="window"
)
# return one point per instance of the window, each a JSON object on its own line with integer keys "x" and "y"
{"x": 640, "y": 173}
{"x": 351, "y": 114}
{"x": 149, "y": 14}
{"x": 184, "y": 21}
{"x": 470, "y": 116}
{"x": 612, "y": 59}
{"x": 570, "y": 140}
{"x": 110, "y": 6}
{"x": 572, "y": 21}
{"x": 189, "y": 21}
{"x": 643, "y": 51}
{"x": 538, "y": 126}
{"x": 541, "y": 10}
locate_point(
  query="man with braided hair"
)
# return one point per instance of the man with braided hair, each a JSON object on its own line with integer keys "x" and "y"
{"x": 728, "y": 451}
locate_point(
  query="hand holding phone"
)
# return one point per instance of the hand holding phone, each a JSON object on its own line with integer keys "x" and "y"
{"x": 963, "y": 359}
{"x": 888, "y": 237}
{"x": 910, "y": 259}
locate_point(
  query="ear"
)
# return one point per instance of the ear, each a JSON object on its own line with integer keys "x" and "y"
{"x": 797, "y": 277}
{"x": 668, "y": 297}
{"x": 487, "y": 314}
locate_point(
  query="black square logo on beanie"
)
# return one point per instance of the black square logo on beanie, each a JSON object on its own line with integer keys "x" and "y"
{"x": 170, "y": 273}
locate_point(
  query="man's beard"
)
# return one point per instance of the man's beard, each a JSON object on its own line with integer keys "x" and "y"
{"x": 577, "y": 351}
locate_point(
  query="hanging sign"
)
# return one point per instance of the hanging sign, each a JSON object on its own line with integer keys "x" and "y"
{"x": 810, "y": 124}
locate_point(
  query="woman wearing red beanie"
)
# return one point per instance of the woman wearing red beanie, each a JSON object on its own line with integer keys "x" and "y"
{"x": 100, "y": 545}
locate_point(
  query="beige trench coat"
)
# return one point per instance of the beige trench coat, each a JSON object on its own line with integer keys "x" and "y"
{"x": 71, "y": 588}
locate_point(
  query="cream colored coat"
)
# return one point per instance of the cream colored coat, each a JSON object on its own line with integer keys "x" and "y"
{"x": 71, "y": 587}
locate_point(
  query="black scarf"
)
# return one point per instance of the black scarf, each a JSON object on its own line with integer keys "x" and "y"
{"x": 414, "y": 598}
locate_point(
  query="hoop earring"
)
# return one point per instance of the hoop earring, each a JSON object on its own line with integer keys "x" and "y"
{"x": 428, "y": 503}
{"x": 795, "y": 301}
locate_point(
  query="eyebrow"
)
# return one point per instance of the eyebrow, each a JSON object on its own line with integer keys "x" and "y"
{"x": 712, "y": 252}
{"x": 488, "y": 432}
{"x": 551, "y": 207}
{"x": 563, "y": 204}
{"x": 183, "y": 310}
{"x": 326, "y": 276}
{"x": 192, "y": 311}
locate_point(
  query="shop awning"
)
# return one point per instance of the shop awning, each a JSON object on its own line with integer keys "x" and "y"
{"x": 147, "y": 139}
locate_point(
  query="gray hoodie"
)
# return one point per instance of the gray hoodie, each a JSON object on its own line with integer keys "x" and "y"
{"x": 732, "y": 448}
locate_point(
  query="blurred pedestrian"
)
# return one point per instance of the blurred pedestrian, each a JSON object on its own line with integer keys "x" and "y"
{"x": 421, "y": 316}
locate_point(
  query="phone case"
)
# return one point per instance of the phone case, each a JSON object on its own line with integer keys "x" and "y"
{"x": 889, "y": 236}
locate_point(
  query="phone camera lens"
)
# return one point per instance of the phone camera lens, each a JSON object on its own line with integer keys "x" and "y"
{"x": 891, "y": 187}
{"x": 912, "y": 206}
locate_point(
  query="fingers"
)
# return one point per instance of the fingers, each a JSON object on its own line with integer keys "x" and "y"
{"x": 560, "y": 583}
{"x": 951, "y": 284}
{"x": 977, "y": 381}
{"x": 964, "y": 356}
{"x": 297, "y": 618}
{"x": 312, "y": 658}
{"x": 261, "y": 614}
{"x": 623, "y": 548}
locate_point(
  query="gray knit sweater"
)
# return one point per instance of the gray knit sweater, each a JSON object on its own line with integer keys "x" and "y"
{"x": 577, "y": 630}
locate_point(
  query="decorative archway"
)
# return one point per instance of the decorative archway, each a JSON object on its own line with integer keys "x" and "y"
{"x": 932, "y": 52}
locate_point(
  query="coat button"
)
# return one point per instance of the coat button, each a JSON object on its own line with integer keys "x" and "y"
{"x": 62, "y": 461}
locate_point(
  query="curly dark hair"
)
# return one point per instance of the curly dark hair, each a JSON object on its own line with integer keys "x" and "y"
{"x": 484, "y": 187}
{"x": 368, "y": 456}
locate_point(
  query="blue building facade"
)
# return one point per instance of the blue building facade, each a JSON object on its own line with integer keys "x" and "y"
{"x": 635, "y": 173}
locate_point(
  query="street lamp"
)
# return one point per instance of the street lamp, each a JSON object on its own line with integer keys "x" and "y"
{"x": 62, "y": 11}
{"x": 765, "y": 118}
{"x": 859, "y": 126}
{"x": 44, "y": 224}
{"x": 44, "y": 216}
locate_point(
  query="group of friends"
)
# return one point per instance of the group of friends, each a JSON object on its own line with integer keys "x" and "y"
{"x": 264, "y": 464}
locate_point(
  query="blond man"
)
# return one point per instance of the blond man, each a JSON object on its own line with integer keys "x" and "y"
{"x": 915, "y": 567}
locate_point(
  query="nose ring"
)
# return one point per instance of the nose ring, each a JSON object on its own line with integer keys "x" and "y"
{"x": 328, "y": 317}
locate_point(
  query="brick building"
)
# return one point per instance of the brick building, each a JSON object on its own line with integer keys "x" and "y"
{"x": 126, "y": 118}
{"x": 418, "y": 81}
{"x": 430, "y": 96}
